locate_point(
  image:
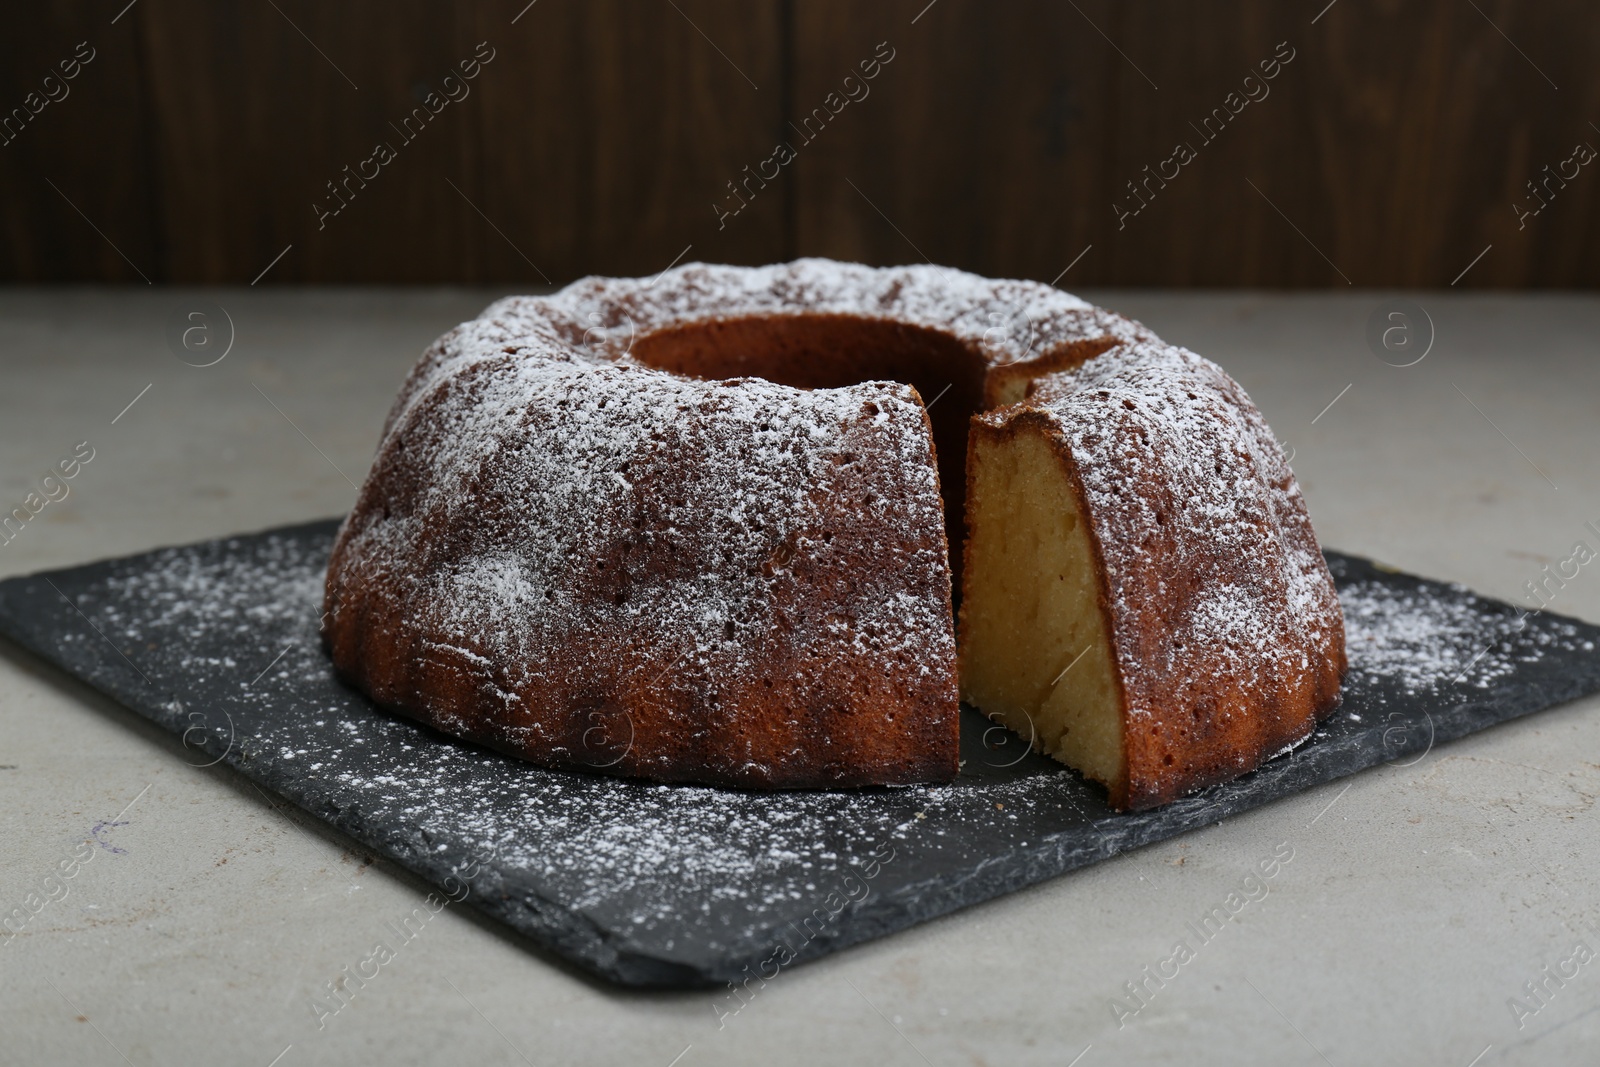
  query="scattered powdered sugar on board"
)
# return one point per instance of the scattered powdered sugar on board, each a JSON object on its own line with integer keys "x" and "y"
{"x": 602, "y": 844}
{"x": 1424, "y": 642}
{"x": 643, "y": 848}
{"x": 676, "y": 868}
{"x": 190, "y": 597}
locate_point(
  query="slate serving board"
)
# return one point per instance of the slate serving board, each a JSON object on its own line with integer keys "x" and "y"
{"x": 657, "y": 885}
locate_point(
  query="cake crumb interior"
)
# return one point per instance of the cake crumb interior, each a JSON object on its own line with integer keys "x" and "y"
{"x": 1034, "y": 649}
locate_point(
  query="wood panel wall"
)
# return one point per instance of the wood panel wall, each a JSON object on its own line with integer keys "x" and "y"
{"x": 1392, "y": 146}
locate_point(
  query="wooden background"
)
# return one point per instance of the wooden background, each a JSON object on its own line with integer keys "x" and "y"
{"x": 1390, "y": 152}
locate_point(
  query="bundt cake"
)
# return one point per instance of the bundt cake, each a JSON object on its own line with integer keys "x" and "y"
{"x": 691, "y": 528}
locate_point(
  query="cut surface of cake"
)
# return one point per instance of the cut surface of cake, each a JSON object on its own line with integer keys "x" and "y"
{"x": 1144, "y": 597}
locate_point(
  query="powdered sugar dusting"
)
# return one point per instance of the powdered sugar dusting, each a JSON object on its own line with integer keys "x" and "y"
{"x": 720, "y": 546}
{"x": 1008, "y": 321}
{"x": 673, "y": 868}
{"x": 191, "y": 602}
{"x": 535, "y": 482}
{"x": 1214, "y": 573}
{"x": 1424, "y": 643}
{"x": 544, "y": 459}
{"x": 631, "y": 851}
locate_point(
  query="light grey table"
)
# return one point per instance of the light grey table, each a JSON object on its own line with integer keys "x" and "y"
{"x": 1419, "y": 901}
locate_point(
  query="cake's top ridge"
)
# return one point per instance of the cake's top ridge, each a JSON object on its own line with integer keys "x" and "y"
{"x": 596, "y": 318}
{"x": 966, "y": 304}
{"x": 1010, "y": 320}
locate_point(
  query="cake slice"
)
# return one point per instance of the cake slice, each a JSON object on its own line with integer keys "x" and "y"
{"x": 1143, "y": 595}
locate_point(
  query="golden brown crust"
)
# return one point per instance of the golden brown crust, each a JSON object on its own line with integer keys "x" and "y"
{"x": 757, "y": 596}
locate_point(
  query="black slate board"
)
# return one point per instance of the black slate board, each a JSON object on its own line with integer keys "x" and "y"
{"x": 661, "y": 885}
